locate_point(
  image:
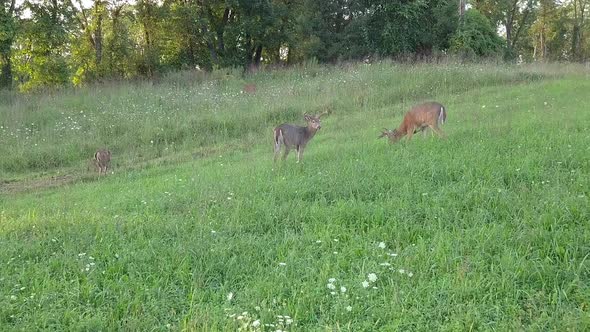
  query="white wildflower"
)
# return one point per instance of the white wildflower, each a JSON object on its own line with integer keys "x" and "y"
{"x": 349, "y": 308}
{"x": 372, "y": 277}
{"x": 343, "y": 289}
{"x": 402, "y": 271}
{"x": 410, "y": 274}
{"x": 282, "y": 264}
{"x": 331, "y": 286}
{"x": 331, "y": 280}
{"x": 256, "y": 323}
{"x": 381, "y": 245}
{"x": 365, "y": 284}
{"x": 230, "y": 296}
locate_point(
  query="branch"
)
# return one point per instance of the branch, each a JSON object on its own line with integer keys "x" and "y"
{"x": 525, "y": 14}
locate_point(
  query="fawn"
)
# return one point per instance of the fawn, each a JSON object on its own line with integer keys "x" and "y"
{"x": 249, "y": 88}
{"x": 293, "y": 136}
{"x": 422, "y": 116}
{"x": 102, "y": 159}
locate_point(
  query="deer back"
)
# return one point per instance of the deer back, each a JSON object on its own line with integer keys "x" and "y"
{"x": 293, "y": 135}
{"x": 102, "y": 157}
{"x": 426, "y": 114}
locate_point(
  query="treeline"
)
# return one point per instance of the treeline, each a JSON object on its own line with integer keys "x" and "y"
{"x": 45, "y": 43}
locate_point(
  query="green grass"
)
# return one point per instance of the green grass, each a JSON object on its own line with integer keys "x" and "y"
{"x": 489, "y": 226}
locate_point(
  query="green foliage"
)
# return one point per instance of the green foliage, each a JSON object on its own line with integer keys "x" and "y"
{"x": 8, "y": 31}
{"x": 41, "y": 59}
{"x": 475, "y": 37}
{"x": 66, "y": 43}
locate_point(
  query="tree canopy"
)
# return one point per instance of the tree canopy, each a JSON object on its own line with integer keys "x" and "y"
{"x": 46, "y": 43}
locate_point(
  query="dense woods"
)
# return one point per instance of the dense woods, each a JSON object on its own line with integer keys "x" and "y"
{"x": 47, "y": 43}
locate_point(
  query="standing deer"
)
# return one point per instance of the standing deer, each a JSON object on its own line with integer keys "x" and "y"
{"x": 296, "y": 136}
{"x": 102, "y": 159}
{"x": 427, "y": 115}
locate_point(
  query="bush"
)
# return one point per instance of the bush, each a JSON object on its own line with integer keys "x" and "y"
{"x": 476, "y": 37}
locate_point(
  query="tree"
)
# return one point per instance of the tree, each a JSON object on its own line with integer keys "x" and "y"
{"x": 579, "y": 8}
{"x": 42, "y": 45}
{"x": 476, "y": 37}
{"x": 515, "y": 16}
{"x": 8, "y": 25}
{"x": 543, "y": 29}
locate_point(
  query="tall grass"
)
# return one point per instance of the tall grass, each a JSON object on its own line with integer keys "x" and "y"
{"x": 192, "y": 112}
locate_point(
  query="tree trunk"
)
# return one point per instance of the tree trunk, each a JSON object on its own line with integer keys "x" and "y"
{"x": 221, "y": 29}
{"x": 257, "y": 56}
{"x": 462, "y": 4}
{"x": 98, "y": 33}
{"x": 6, "y": 72}
{"x": 509, "y": 38}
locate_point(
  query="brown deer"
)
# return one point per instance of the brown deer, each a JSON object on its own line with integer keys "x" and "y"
{"x": 249, "y": 88}
{"x": 102, "y": 160}
{"x": 297, "y": 137}
{"x": 420, "y": 117}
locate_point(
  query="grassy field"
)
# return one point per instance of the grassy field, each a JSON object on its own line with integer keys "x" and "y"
{"x": 198, "y": 230}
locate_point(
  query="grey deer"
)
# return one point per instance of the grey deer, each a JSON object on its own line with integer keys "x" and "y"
{"x": 420, "y": 117}
{"x": 292, "y": 136}
{"x": 102, "y": 160}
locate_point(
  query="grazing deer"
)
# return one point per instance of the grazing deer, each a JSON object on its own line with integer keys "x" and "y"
{"x": 295, "y": 136}
{"x": 249, "y": 88}
{"x": 102, "y": 159}
{"x": 426, "y": 115}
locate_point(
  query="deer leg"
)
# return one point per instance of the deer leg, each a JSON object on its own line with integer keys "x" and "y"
{"x": 410, "y": 133}
{"x": 277, "y": 151}
{"x": 438, "y": 131}
{"x": 299, "y": 153}
{"x": 286, "y": 152}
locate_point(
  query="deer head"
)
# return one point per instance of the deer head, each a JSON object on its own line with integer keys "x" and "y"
{"x": 313, "y": 121}
{"x": 393, "y": 135}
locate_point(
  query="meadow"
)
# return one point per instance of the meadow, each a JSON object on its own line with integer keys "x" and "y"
{"x": 197, "y": 230}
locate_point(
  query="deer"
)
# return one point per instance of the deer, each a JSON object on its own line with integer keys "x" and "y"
{"x": 102, "y": 160}
{"x": 249, "y": 88}
{"x": 293, "y": 136}
{"x": 418, "y": 118}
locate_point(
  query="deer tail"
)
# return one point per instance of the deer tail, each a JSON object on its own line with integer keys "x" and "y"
{"x": 278, "y": 136}
{"x": 442, "y": 115}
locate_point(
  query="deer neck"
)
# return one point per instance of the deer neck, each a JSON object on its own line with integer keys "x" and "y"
{"x": 309, "y": 132}
{"x": 402, "y": 130}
